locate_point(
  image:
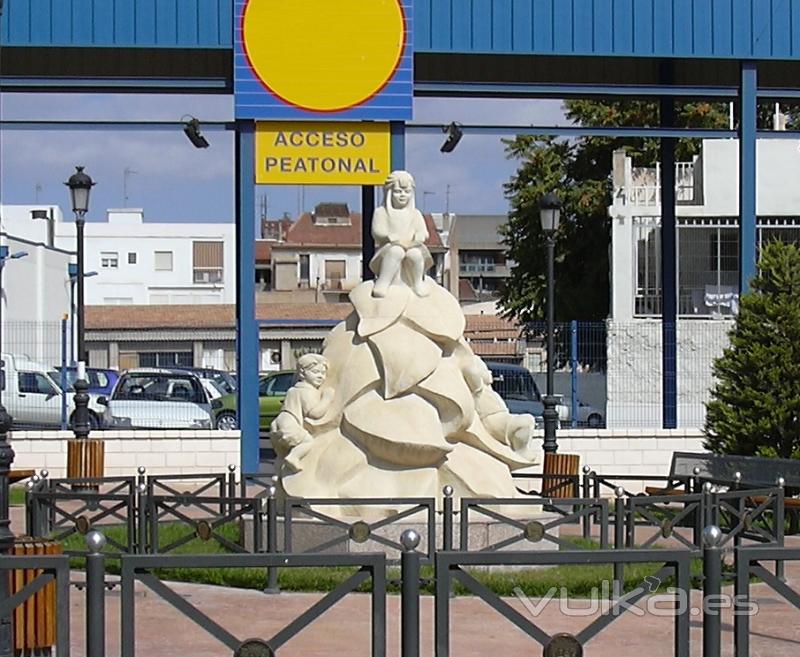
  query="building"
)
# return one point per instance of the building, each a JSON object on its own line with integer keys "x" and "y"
{"x": 707, "y": 270}
{"x": 136, "y": 261}
{"x": 35, "y": 297}
{"x": 125, "y": 337}
{"x": 319, "y": 258}
{"x": 477, "y": 258}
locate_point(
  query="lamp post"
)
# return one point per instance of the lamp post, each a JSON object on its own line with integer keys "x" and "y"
{"x": 6, "y": 459}
{"x": 549, "y": 214}
{"x": 80, "y": 184}
{"x": 72, "y": 272}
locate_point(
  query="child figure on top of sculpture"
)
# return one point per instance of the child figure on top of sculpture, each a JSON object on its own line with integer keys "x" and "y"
{"x": 399, "y": 231}
{"x": 304, "y": 400}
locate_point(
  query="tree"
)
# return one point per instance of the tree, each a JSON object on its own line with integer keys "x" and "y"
{"x": 579, "y": 170}
{"x": 755, "y": 405}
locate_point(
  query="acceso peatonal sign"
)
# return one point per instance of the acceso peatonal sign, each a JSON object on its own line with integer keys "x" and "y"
{"x": 316, "y": 59}
{"x": 322, "y": 153}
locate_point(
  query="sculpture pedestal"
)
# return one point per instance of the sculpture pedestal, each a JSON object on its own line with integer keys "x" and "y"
{"x": 311, "y": 535}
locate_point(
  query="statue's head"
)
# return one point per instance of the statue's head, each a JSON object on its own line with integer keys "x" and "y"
{"x": 399, "y": 189}
{"x": 312, "y": 368}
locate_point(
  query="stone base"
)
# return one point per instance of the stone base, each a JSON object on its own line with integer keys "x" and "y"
{"x": 311, "y": 535}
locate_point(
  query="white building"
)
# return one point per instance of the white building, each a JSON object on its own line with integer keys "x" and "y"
{"x": 707, "y": 212}
{"x": 139, "y": 262}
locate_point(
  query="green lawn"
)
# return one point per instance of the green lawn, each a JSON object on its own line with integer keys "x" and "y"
{"x": 578, "y": 580}
{"x": 16, "y": 495}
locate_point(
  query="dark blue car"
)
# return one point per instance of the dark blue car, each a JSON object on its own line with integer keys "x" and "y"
{"x": 101, "y": 381}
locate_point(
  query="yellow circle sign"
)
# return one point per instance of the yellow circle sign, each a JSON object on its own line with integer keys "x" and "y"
{"x": 324, "y": 55}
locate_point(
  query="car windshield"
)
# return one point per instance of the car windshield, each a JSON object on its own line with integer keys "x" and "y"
{"x": 96, "y": 379}
{"x": 56, "y": 376}
{"x": 224, "y": 382}
{"x": 159, "y": 387}
{"x": 516, "y": 386}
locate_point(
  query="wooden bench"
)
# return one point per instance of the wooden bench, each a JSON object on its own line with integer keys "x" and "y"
{"x": 15, "y": 476}
{"x": 35, "y": 619}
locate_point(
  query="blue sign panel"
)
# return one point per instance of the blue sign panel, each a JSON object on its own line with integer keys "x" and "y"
{"x": 319, "y": 59}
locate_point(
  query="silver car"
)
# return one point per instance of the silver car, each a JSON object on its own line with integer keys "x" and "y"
{"x": 157, "y": 399}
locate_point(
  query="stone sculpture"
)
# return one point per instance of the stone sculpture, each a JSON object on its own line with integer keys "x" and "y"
{"x": 403, "y": 406}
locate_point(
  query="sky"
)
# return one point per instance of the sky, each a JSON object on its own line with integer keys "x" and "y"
{"x": 173, "y": 181}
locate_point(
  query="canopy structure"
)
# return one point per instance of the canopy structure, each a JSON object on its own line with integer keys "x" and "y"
{"x": 735, "y": 50}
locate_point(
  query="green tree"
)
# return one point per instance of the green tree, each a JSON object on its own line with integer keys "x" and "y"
{"x": 579, "y": 170}
{"x": 755, "y": 405}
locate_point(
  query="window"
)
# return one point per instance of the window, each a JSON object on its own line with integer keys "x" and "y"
{"x": 276, "y": 385}
{"x": 207, "y": 262}
{"x": 166, "y": 358}
{"x": 163, "y": 260}
{"x": 335, "y": 273}
{"x": 109, "y": 260}
{"x": 304, "y": 275}
{"x": 131, "y": 258}
{"x": 35, "y": 383}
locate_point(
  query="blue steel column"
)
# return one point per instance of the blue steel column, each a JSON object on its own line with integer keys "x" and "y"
{"x": 247, "y": 346}
{"x": 669, "y": 265}
{"x": 398, "y": 144}
{"x": 747, "y": 174}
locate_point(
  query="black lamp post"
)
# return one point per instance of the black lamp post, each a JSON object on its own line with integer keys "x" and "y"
{"x": 6, "y": 459}
{"x": 549, "y": 214}
{"x": 80, "y": 184}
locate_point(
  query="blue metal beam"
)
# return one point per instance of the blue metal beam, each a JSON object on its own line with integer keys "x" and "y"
{"x": 576, "y": 131}
{"x": 522, "y": 90}
{"x": 748, "y": 131}
{"x": 247, "y": 343}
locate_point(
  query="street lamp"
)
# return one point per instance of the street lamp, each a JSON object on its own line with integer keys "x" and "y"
{"x": 6, "y": 459}
{"x": 549, "y": 215}
{"x": 80, "y": 185}
{"x": 72, "y": 271}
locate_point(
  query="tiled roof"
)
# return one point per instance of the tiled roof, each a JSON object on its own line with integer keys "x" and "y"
{"x": 479, "y": 327}
{"x": 494, "y": 348}
{"x": 306, "y": 233}
{"x": 264, "y": 251}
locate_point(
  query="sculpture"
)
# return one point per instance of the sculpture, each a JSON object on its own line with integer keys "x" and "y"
{"x": 404, "y": 406}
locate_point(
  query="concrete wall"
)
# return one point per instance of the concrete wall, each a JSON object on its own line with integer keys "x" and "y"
{"x": 634, "y": 370}
{"x": 161, "y": 452}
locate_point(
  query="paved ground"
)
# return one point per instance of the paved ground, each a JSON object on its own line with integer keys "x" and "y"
{"x": 476, "y": 629}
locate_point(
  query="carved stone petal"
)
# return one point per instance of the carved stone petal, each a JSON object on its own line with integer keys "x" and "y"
{"x": 404, "y": 431}
{"x": 473, "y": 473}
{"x": 351, "y": 363}
{"x": 437, "y": 314}
{"x": 406, "y": 358}
{"x": 447, "y": 390}
{"x": 478, "y": 436}
{"x": 376, "y": 314}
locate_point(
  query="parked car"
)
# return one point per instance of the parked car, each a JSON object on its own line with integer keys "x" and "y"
{"x": 224, "y": 381}
{"x": 101, "y": 381}
{"x": 519, "y": 391}
{"x": 32, "y": 394}
{"x": 271, "y": 392}
{"x": 590, "y": 416}
{"x": 157, "y": 399}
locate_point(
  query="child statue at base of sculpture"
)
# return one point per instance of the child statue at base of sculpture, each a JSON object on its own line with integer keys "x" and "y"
{"x": 304, "y": 400}
{"x": 399, "y": 231}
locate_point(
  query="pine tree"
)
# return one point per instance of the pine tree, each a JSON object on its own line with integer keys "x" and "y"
{"x": 755, "y": 405}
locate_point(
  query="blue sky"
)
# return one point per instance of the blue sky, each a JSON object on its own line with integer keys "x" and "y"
{"x": 176, "y": 182}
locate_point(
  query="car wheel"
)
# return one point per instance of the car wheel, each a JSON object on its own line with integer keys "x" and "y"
{"x": 227, "y": 421}
{"x": 595, "y": 421}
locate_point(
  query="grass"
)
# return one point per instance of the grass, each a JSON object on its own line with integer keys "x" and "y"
{"x": 580, "y": 581}
{"x": 16, "y": 496}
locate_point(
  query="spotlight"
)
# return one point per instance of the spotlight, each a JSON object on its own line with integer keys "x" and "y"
{"x": 192, "y": 131}
{"x": 454, "y": 134}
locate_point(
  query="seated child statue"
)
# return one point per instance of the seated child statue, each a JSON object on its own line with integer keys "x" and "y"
{"x": 399, "y": 231}
{"x": 304, "y": 401}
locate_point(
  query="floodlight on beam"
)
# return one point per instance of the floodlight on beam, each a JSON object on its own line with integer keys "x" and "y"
{"x": 192, "y": 131}
{"x": 454, "y": 135}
